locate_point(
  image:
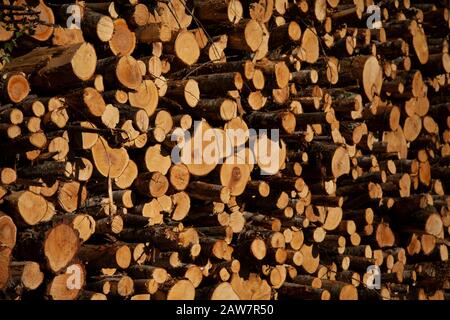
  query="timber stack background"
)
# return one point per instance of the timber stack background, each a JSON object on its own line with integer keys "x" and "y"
{"x": 87, "y": 182}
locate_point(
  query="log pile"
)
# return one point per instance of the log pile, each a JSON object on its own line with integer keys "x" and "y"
{"x": 93, "y": 205}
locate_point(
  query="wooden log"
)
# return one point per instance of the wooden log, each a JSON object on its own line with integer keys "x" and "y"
{"x": 123, "y": 40}
{"x": 88, "y": 102}
{"x": 367, "y": 70}
{"x": 73, "y": 65}
{"x": 5, "y": 258}
{"x": 14, "y": 87}
{"x": 153, "y": 32}
{"x": 176, "y": 290}
{"x": 120, "y": 71}
{"x": 58, "y": 289}
{"x": 298, "y": 291}
{"x": 26, "y": 274}
{"x": 185, "y": 92}
{"x": 152, "y": 184}
{"x": 185, "y": 48}
{"x": 97, "y": 25}
{"x": 289, "y": 32}
{"x": 219, "y": 11}
{"x": 222, "y": 82}
{"x": 26, "y": 207}
{"x": 108, "y": 256}
{"x": 252, "y": 39}
{"x": 205, "y": 191}
{"x": 109, "y": 162}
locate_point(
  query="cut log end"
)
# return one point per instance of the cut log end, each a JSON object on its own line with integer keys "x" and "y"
{"x": 258, "y": 249}
{"x": 30, "y": 206}
{"x": 186, "y": 48}
{"x": 192, "y": 93}
{"x": 340, "y": 163}
{"x": 372, "y": 77}
{"x": 129, "y": 73}
{"x": 84, "y": 61}
{"x": 182, "y": 290}
{"x": 17, "y": 88}
{"x": 60, "y": 246}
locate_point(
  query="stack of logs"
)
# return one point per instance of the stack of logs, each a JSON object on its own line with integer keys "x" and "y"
{"x": 93, "y": 207}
